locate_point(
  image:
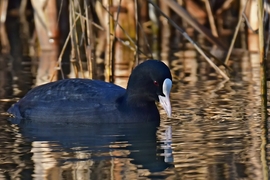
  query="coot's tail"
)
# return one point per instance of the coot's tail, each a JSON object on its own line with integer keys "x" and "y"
{"x": 15, "y": 111}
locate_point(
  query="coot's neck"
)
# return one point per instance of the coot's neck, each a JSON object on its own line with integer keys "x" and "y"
{"x": 136, "y": 107}
{"x": 132, "y": 98}
{"x": 138, "y": 99}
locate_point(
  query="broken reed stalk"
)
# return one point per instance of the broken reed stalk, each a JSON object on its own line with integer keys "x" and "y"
{"x": 264, "y": 124}
{"x": 191, "y": 41}
{"x": 194, "y": 23}
{"x": 60, "y": 11}
{"x": 58, "y": 67}
{"x": 72, "y": 34}
{"x": 73, "y": 18}
{"x": 146, "y": 42}
{"x": 82, "y": 41}
{"x": 86, "y": 30}
{"x": 90, "y": 39}
{"x": 114, "y": 24}
{"x": 211, "y": 18}
{"x": 235, "y": 33}
{"x": 75, "y": 38}
{"x": 136, "y": 54}
{"x": 268, "y": 35}
{"x": 93, "y": 23}
{"x": 127, "y": 35}
{"x": 87, "y": 39}
{"x": 261, "y": 49}
{"x": 108, "y": 57}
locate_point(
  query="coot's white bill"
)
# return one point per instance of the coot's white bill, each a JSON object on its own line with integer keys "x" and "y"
{"x": 165, "y": 100}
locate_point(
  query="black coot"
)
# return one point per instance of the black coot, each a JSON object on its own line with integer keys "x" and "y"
{"x": 93, "y": 101}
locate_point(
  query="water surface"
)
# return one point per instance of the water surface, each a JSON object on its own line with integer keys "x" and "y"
{"x": 217, "y": 132}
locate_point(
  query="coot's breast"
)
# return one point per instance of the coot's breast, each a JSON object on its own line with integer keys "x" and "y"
{"x": 71, "y": 100}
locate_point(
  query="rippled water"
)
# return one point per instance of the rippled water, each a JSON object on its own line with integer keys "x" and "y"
{"x": 217, "y": 132}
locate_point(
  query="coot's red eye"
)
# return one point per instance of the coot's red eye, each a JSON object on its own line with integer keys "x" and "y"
{"x": 156, "y": 83}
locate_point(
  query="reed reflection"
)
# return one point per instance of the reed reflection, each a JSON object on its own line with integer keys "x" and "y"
{"x": 93, "y": 151}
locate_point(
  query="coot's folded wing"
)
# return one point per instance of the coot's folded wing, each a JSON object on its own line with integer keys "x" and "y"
{"x": 66, "y": 98}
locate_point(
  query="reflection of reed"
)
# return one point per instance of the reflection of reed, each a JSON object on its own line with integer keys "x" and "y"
{"x": 219, "y": 132}
{"x": 47, "y": 165}
{"x": 63, "y": 153}
{"x": 14, "y": 159}
{"x": 42, "y": 159}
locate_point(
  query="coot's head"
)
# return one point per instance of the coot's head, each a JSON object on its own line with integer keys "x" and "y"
{"x": 151, "y": 81}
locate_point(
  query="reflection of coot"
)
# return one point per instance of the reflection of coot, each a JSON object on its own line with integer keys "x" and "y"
{"x": 82, "y": 100}
{"x": 140, "y": 139}
{"x": 6, "y": 89}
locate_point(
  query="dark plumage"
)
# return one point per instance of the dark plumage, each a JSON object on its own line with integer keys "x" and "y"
{"x": 84, "y": 101}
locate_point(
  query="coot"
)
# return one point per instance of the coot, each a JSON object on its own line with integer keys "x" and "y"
{"x": 94, "y": 101}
